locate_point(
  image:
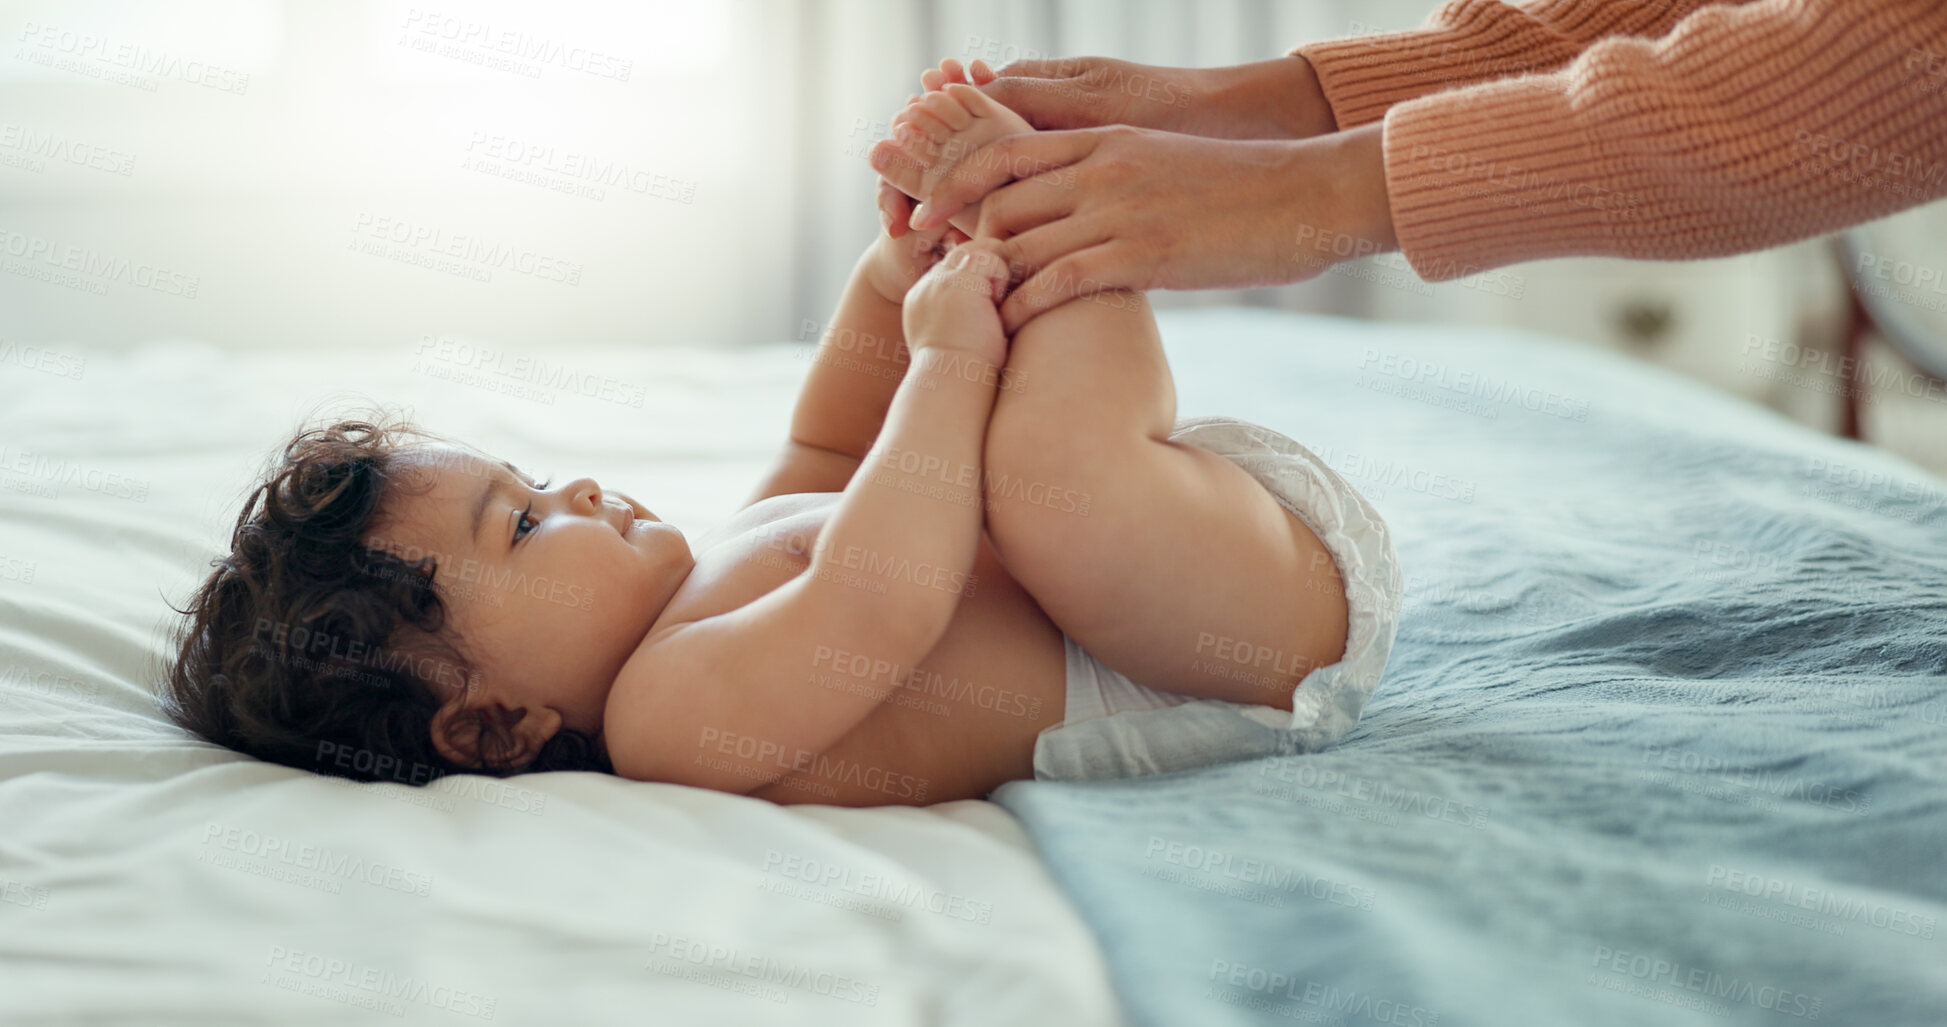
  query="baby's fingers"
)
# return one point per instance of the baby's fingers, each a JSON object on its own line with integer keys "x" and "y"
{"x": 895, "y": 210}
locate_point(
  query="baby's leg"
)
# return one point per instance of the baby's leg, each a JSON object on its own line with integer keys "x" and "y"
{"x": 1158, "y": 557}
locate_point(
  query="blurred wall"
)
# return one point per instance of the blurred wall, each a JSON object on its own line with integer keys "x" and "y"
{"x": 370, "y": 173}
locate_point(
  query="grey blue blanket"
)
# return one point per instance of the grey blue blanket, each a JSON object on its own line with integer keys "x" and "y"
{"x": 1663, "y": 739}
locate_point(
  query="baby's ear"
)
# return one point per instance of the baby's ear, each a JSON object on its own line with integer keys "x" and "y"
{"x": 473, "y": 733}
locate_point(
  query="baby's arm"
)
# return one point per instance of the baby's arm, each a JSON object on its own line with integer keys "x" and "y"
{"x": 860, "y": 360}
{"x": 728, "y": 702}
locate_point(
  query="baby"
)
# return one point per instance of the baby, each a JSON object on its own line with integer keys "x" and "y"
{"x": 977, "y": 559}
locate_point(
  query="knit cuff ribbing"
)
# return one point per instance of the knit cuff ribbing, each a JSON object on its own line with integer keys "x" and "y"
{"x": 1496, "y": 174}
{"x": 1365, "y": 75}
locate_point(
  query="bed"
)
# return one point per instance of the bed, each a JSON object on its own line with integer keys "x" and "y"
{"x": 1664, "y": 738}
{"x": 151, "y": 878}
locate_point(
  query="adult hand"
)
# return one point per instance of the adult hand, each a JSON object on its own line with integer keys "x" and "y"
{"x": 1275, "y": 99}
{"x": 1087, "y": 210}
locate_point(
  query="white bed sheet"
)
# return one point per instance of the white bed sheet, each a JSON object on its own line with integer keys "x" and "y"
{"x": 148, "y": 877}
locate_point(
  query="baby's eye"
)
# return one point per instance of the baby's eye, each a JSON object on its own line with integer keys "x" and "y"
{"x": 527, "y": 520}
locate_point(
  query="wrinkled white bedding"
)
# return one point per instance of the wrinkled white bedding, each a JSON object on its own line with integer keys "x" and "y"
{"x": 148, "y": 877}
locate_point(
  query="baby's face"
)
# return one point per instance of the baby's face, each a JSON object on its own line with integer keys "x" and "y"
{"x": 550, "y": 588}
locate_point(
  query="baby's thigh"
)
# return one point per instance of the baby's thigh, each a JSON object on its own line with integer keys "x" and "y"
{"x": 1164, "y": 560}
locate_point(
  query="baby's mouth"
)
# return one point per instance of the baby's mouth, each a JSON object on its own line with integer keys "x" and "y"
{"x": 637, "y": 510}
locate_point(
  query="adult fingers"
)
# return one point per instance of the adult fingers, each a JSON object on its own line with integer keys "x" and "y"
{"x": 948, "y": 188}
{"x": 1048, "y": 103}
{"x": 1042, "y": 67}
{"x": 1082, "y": 273}
{"x": 1037, "y": 248}
{"x": 1024, "y": 205}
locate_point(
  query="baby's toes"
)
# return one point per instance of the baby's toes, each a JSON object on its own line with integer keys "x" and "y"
{"x": 918, "y": 118}
{"x": 950, "y": 111}
{"x": 994, "y": 117}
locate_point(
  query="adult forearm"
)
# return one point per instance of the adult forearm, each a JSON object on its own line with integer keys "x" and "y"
{"x": 1465, "y": 42}
{"x": 1276, "y": 99}
{"x": 1679, "y": 148}
{"x": 1339, "y": 208}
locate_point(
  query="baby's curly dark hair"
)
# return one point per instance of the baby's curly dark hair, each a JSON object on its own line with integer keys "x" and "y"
{"x": 308, "y": 648}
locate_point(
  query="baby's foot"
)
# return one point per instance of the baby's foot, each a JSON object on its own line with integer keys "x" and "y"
{"x": 941, "y": 128}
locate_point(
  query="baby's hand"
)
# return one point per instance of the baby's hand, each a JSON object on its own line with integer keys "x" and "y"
{"x": 893, "y": 265}
{"x": 956, "y": 304}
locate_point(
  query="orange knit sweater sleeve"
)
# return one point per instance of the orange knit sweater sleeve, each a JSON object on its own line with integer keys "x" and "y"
{"x": 1744, "y": 127}
{"x": 1470, "y": 41}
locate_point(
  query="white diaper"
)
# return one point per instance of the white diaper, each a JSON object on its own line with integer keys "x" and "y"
{"x": 1114, "y": 727}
